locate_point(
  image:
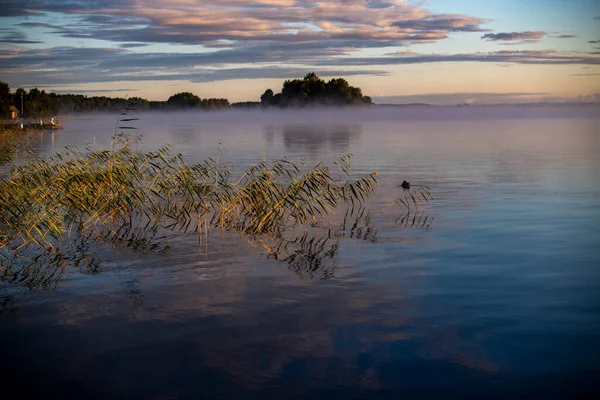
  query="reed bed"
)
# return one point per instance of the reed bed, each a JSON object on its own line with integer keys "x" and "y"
{"x": 8, "y": 148}
{"x": 97, "y": 193}
{"x": 50, "y": 208}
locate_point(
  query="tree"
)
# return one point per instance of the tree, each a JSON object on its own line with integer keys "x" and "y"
{"x": 211, "y": 104}
{"x": 267, "y": 98}
{"x": 18, "y": 99}
{"x": 39, "y": 104}
{"x": 312, "y": 90}
{"x": 5, "y": 100}
{"x": 184, "y": 100}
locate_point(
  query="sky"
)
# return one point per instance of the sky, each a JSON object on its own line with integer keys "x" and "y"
{"x": 433, "y": 51}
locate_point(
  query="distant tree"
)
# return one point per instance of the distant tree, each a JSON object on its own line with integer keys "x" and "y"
{"x": 312, "y": 90}
{"x": 187, "y": 100}
{"x": 267, "y": 98}
{"x": 5, "y": 100}
{"x": 139, "y": 103}
{"x": 212, "y": 104}
{"x": 247, "y": 104}
{"x": 39, "y": 104}
{"x": 20, "y": 94}
{"x": 184, "y": 100}
{"x": 315, "y": 87}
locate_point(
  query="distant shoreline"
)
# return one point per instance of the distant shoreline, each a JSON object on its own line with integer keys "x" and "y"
{"x": 530, "y": 104}
{"x": 321, "y": 110}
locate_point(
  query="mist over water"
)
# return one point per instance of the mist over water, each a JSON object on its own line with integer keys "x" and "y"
{"x": 490, "y": 291}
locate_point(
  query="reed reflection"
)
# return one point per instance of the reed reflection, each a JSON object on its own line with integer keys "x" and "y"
{"x": 415, "y": 219}
{"x": 313, "y": 254}
{"x": 309, "y": 256}
{"x": 44, "y": 270}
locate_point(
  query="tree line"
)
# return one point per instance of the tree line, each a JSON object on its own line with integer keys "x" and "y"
{"x": 311, "y": 90}
{"x": 37, "y": 103}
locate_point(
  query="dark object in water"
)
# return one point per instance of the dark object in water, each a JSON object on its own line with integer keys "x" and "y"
{"x": 51, "y": 126}
{"x": 405, "y": 185}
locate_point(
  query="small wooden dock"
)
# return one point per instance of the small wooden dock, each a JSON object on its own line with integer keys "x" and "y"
{"x": 30, "y": 126}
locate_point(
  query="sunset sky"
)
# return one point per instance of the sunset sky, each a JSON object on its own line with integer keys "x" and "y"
{"x": 436, "y": 51}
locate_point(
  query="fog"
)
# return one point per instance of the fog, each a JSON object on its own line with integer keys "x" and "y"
{"x": 253, "y": 134}
{"x": 371, "y": 114}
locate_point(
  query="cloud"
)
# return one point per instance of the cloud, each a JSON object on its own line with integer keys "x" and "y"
{"x": 443, "y": 22}
{"x": 585, "y": 74}
{"x": 65, "y": 65}
{"x": 92, "y": 92}
{"x": 245, "y": 22}
{"x": 517, "y": 43}
{"x": 378, "y": 4}
{"x": 229, "y": 38}
{"x": 13, "y": 37}
{"x": 593, "y": 41}
{"x": 402, "y": 53}
{"x": 14, "y": 9}
{"x": 529, "y": 35}
{"x": 132, "y": 45}
{"x": 125, "y": 61}
{"x": 56, "y": 67}
{"x": 540, "y": 57}
{"x": 565, "y": 36}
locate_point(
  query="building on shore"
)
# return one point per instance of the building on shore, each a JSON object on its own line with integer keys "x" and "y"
{"x": 14, "y": 112}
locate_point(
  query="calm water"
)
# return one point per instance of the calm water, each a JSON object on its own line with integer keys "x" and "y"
{"x": 491, "y": 291}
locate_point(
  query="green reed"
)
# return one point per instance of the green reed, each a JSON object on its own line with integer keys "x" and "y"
{"x": 96, "y": 193}
{"x": 52, "y": 208}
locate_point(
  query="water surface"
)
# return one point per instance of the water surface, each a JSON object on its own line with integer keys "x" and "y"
{"x": 490, "y": 291}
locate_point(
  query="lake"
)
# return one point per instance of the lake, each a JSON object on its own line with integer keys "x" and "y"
{"x": 492, "y": 290}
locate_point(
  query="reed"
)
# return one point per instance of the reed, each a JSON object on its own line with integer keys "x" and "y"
{"x": 52, "y": 208}
{"x": 8, "y": 147}
{"x": 98, "y": 193}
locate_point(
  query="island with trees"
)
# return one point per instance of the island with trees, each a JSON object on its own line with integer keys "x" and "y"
{"x": 313, "y": 91}
{"x": 309, "y": 91}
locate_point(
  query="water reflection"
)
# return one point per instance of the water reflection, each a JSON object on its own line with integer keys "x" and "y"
{"x": 315, "y": 138}
{"x": 415, "y": 219}
{"x": 187, "y": 135}
{"x": 269, "y": 133}
{"x": 7, "y": 304}
{"x": 44, "y": 269}
{"x": 140, "y": 239}
{"x": 358, "y": 224}
{"x": 309, "y": 256}
{"x": 133, "y": 291}
{"x": 310, "y": 253}
{"x": 244, "y": 334}
{"x": 498, "y": 301}
{"x": 313, "y": 254}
